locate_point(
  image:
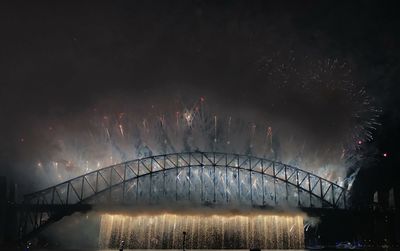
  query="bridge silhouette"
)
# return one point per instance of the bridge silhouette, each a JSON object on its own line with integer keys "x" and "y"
{"x": 197, "y": 178}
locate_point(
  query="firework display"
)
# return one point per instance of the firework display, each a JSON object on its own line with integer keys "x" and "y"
{"x": 212, "y": 231}
{"x": 199, "y": 125}
{"x": 120, "y": 130}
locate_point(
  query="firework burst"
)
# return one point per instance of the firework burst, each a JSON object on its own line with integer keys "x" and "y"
{"x": 110, "y": 134}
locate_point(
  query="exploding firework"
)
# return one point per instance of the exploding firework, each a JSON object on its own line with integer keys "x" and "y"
{"x": 331, "y": 85}
{"x": 344, "y": 99}
{"x": 109, "y": 134}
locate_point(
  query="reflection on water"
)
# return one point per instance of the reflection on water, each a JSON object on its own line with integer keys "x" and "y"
{"x": 216, "y": 231}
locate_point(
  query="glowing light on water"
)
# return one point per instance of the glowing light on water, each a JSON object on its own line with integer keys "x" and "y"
{"x": 203, "y": 231}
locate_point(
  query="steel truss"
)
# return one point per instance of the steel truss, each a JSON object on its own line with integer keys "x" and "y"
{"x": 198, "y": 177}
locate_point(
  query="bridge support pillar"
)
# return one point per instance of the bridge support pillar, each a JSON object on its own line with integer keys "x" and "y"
{"x": 8, "y": 215}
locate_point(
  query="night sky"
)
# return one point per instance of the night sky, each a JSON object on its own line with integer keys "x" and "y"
{"x": 60, "y": 57}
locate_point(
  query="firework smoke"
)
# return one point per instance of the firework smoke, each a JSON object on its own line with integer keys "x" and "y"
{"x": 338, "y": 114}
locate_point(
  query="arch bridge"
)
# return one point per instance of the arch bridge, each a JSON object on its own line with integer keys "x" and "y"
{"x": 198, "y": 178}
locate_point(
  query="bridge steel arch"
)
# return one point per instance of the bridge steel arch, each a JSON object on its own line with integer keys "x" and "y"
{"x": 197, "y": 177}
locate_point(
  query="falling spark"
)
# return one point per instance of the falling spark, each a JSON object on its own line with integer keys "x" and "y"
{"x": 229, "y": 130}
{"x": 121, "y": 129}
{"x": 209, "y": 229}
{"x": 177, "y": 119}
{"x": 108, "y": 134}
{"x": 215, "y": 129}
{"x": 162, "y": 121}
{"x": 252, "y": 133}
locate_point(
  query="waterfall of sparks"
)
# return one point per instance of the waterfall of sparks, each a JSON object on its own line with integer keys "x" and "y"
{"x": 165, "y": 231}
